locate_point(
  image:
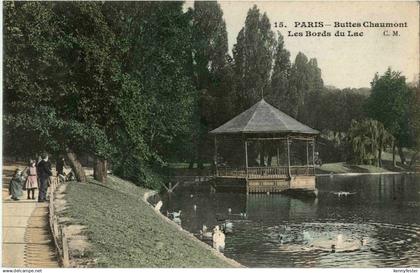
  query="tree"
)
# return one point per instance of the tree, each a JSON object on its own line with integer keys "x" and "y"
{"x": 388, "y": 103}
{"x": 210, "y": 46}
{"x": 61, "y": 69}
{"x": 279, "y": 95}
{"x": 299, "y": 84}
{"x": 368, "y": 139}
{"x": 414, "y": 122}
{"x": 253, "y": 58}
{"x": 157, "y": 97}
{"x": 92, "y": 61}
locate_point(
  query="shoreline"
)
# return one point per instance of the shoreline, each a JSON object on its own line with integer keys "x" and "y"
{"x": 360, "y": 174}
{"x": 232, "y": 262}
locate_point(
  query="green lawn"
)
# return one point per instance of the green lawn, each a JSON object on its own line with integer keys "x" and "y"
{"x": 125, "y": 232}
{"x": 342, "y": 167}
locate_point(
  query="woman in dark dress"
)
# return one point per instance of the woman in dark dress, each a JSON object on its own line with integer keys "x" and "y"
{"x": 15, "y": 186}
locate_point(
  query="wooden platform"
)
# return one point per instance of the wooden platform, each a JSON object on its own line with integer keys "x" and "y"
{"x": 266, "y": 185}
{"x": 280, "y": 185}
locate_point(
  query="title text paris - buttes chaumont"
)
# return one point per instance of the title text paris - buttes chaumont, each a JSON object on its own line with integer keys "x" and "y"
{"x": 348, "y": 24}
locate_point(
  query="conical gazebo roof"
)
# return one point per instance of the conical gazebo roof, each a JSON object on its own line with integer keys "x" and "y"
{"x": 263, "y": 118}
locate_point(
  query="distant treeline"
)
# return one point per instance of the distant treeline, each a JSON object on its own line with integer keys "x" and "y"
{"x": 140, "y": 84}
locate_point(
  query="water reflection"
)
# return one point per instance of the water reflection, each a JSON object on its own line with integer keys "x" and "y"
{"x": 280, "y": 231}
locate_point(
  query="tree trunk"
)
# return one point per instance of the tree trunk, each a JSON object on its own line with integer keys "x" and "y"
{"x": 401, "y": 153}
{"x": 191, "y": 164}
{"x": 76, "y": 166}
{"x": 100, "y": 170}
{"x": 262, "y": 161}
{"x": 380, "y": 158}
{"x": 394, "y": 161}
{"x": 413, "y": 159}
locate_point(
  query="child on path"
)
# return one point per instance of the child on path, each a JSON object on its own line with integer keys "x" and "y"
{"x": 31, "y": 181}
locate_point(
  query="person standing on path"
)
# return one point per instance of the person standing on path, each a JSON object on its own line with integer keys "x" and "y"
{"x": 60, "y": 166}
{"x": 44, "y": 173}
{"x": 31, "y": 181}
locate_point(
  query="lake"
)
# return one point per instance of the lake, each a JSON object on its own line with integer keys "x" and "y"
{"x": 374, "y": 223}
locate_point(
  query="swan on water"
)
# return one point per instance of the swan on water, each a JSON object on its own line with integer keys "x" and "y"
{"x": 158, "y": 206}
{"x": 227, "y": 227}
{"x": 205, "y": 233}
{"x": 177, "y": 220}
{"x": 344, "y": 193}
{"x": 174, "y": 214}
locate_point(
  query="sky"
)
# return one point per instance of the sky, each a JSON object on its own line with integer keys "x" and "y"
{"x": 344, "y": 61}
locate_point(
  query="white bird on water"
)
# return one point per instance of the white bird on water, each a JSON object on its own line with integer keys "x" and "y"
{"x": 158, "y": 206}
{"x": 204, "y": 232}
{"x": 227, "y": 227}
{"x": 174, "y": 214}
{"x": 344, "y": 193}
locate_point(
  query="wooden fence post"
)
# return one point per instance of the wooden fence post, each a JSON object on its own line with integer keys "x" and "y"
{"x": 66, "y": 260}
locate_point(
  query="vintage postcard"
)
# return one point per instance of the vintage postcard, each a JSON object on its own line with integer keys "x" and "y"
{"x": 210, "y": 134}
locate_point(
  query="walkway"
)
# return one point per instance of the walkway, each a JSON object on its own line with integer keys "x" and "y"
{"x": 26, "y": 235}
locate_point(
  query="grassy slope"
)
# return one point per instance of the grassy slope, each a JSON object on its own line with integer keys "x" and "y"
{"x": 342, "y": 167}
{"x": 126, "y": 232}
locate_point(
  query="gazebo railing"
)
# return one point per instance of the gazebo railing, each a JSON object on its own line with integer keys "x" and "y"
{"x": 265, "y": 172}
{"x": 231, "y": 172}
{"x": 302, "y": 170}
{"x": 269, "y": 172}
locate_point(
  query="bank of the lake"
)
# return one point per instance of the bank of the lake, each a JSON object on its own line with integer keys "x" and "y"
{"x": 124, "y": 230}
{"x": 347, "y": 168}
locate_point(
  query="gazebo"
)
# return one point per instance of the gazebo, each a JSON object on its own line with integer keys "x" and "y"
{"x": 265, "y": 150}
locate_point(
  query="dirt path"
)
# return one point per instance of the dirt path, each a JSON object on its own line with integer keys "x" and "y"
{"x": 26, "y": 235}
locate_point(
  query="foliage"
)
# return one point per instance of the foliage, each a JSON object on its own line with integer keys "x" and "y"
{"x": 57, "y": 72}
{"x": 157, "y": 97}
{"x": 414, "y": 117}
{"x": 253, "y": 57}
{"x": 279, "y": 95}
{"x": 334, "y": 110}
{"x": 368, "y": 139}
{"x": 388, "y": 103}
{"x": 80, "y": 75}
{"x": 209, "y": 50}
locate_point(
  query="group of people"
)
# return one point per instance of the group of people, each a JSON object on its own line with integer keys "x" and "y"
{"x": 35, "y": 176}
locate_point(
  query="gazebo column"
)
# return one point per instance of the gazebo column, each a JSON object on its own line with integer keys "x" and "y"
{"x": 307, "y": 156}
{"x": 246, "y": 158}
{"x": 288, "y": 157}
{"x": 313, "y": 154}
{"x": 215, "y": 155}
